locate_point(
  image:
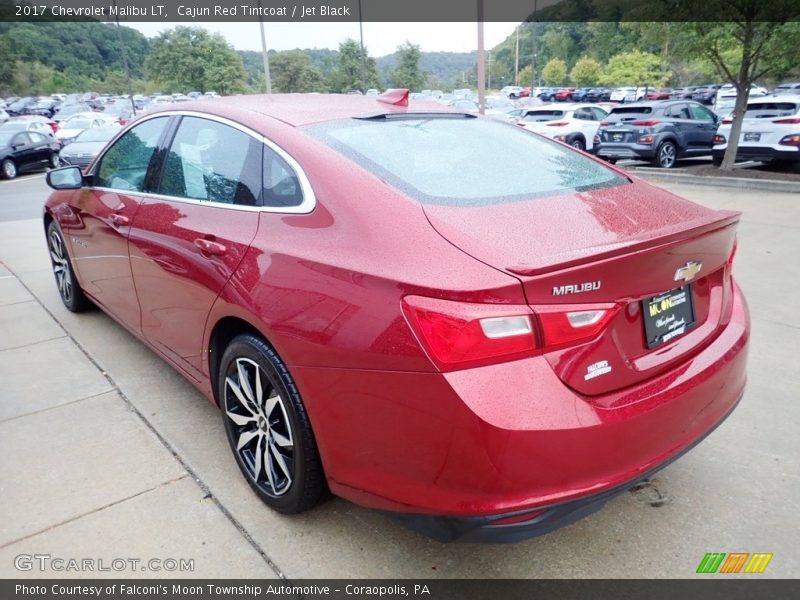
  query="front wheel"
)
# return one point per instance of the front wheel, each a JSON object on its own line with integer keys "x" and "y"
{"x": 55, "y": 160}
{"x": 666, "y": 155}
{"x": 268, "y": 428}
{"x": 71, "y": 293}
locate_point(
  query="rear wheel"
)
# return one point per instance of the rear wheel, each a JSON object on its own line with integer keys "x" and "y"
{"x": 8, "y": 169}
{"x": 716, "y": 161}
{"x": 71, "y": 293}
{"x": 55, "y": 160}
{"x": 666, "y": 155}
{"x": 268, "y": 428}
{"x": 578, "y": 143}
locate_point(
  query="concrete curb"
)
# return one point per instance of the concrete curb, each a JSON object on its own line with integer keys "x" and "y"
{"x": 742, "y": 183}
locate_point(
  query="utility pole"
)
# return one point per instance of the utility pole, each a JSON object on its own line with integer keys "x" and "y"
{"x": 264, "y": 50}
{"x": 489, "y": 69}
{"x": 516, "y": 60}
{"x": 125, "y": 62}
{"x": 533, "y": 45}
{"x": 363, "y": 55}
{"x": 481, "y": 63}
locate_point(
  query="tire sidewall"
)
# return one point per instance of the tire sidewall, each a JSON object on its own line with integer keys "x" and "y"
{"x": 253, "y": 348}
{"x": 674, "y": 156}
{"x": 77, "y": 302}
{"x": 3, "y": 167}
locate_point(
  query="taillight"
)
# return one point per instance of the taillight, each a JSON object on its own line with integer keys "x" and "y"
{"x": 646, "y": 139}
{"x": 604, "y": 123}
{"x": 646, "y": 123}
{"x": 790, "y": 140}
{"x": 720, "y": 139}
{"x": 567, "y": 325}
{"x": 789, "y": 121}
{"x": 733, "y": 252}
{"x": 557, "y": 123}
{"x": 459, "y": 334}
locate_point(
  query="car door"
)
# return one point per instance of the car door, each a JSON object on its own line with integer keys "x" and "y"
{"x": 705, "y": 127}
{"x": 106, "y": 210}
{"x": 678, "y": 114}
{"x": 189, "y": 237}
{"x": 40, "y": 148}
{"x": 22, "y": 151}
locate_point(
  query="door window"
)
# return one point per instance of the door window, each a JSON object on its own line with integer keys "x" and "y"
{"x": 281, "y": 185}
{"x": 37, "y": 138}
{"x": 125, "y": 165}
{"x": 212, "y": 161}
{"x": 701, "y": 113}
{"x": 678, "y": 111}
{"x": 21, "y": 139}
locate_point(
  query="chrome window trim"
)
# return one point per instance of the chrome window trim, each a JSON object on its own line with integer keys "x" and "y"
{"x": 309, "y": 198}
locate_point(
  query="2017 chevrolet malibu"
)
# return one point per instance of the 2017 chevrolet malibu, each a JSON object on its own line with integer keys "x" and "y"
{"x": 477, "y": 330}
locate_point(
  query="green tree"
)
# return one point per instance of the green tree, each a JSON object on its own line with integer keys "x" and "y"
{"x": 762, "y": 39}
{"x": 554, "y": 72}
{"x": 346, "y": 75}
{"x": 586, "y": 72}
{"x": 293, "y": 71}
{"x": 190, "y": 58}
{"x": 635, "y": 68}
{"x": 407, "y": 73}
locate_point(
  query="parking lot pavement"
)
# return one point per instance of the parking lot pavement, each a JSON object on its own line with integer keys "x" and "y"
{"x": 134, "y": 449}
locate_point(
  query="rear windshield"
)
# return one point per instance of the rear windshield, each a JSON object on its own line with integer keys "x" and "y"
{"x": 628, "y": 113}
{"x": 766, "y": 110}
{"x": 543, "y": 115}
{"x": 463, "y": 161}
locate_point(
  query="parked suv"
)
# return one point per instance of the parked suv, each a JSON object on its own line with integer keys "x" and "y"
{"x": 573, "y": 124}
{"x": 660, "y": 132}
{"x": 770, "y": 131}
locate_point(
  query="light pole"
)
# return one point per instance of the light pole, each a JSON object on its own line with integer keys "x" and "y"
{"x": 363, "y": 56}
{"x": 125, "y": 62}
{"x": 264, "y": 50}
{"x": 481, "y": 63}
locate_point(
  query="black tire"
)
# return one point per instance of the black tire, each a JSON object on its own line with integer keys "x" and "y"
{"x": 291, "y": 479}
{"x": 716, "y": 161}
{"x": 666, "y": 155}
{"x": 611, "y": 161}
{"x": 8, "y": 169}
{"x": 55, "y": 160}
{"x": 578, "y": 143}
{"x": 68, "y": 288}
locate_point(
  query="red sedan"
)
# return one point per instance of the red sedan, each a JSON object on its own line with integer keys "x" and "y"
{"x": 391, "y": 303}
{"x": 563, "y": 94}
{"x": 656, "y": 94}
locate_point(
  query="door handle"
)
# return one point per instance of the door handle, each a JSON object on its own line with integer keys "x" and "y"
{"x": 210, "y": 247}
{"x": 119, "y": 219}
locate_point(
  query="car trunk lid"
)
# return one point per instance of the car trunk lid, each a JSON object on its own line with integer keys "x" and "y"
{"x": 615, "y": 247}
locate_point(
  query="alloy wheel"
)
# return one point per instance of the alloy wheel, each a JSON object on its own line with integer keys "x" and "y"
{"x": 9, "y": 169}
{"x": 58, "y": 257}
{"x": 55, "y": 160}
{"x": 263, "y": 431}
{"x": 666, "y": 155}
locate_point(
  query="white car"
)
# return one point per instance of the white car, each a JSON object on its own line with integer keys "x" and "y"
{"x": 81, "y": 122}
{"x": 787, "y": 88}
{"x": 628, "y": 94}
{"x": 512, "y": 91}
{"x": 770, "y": 131}
{"x": 725, "y": 101}
{"x": 573, "y": 124}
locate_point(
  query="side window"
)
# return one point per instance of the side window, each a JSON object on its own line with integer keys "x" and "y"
{"x": 212, "y": 161}
{"x": 36, "y": 138}
{"x": 678, "y": 111}
{"x": 599, "y": 113}
{"x": 701, "y": 113}
{"x": 21, "y": 139}
{"x": 281, "y": 185}
{"x": 584, "y": 114}
{"x": 124, "y": 166}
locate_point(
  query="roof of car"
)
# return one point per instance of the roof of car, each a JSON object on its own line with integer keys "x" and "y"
{"x": 303, "y": 109}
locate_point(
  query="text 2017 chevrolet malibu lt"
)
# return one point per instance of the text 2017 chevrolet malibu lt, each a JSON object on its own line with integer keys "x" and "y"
{"x": 479, "y": 331}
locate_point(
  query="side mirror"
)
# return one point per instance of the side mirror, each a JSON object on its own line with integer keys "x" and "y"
{"x": 65, "y": 178}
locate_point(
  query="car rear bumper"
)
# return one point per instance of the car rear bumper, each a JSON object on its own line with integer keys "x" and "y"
{"x": 622, "y": 151}
{"x": 763, "y": 153}
{"x": 507, "y": 451}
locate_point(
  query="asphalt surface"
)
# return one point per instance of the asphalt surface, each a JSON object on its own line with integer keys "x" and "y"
{"x": 105, "y": 451}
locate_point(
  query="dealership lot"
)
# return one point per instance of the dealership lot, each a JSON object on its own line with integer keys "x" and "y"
{"x": 107, "y": 452}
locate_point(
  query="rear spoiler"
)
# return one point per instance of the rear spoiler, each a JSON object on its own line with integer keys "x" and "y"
{"x": 681, "y": 232}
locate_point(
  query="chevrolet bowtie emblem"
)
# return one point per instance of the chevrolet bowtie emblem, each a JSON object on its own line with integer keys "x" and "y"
{"x": 688, "y": 271}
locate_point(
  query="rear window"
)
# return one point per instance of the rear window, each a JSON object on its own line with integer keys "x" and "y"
{"x": 766, "y": 110}
{"x": 628, "y": 113}
{"x": 463, "y": 161}
{"x": 543, "y": 115}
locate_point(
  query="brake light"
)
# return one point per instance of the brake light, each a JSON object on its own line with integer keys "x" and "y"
{"x": 567, "y": 325}
{"x": 719, "y": 139}
{"x": 646, "y": 123}
{"x": 790, "y": 140}
{"x": 733, "y": 252}
{"x": 604, "y": 123}
{"x": 727, "y": 121}
{"x": 459, "y": 334}
{"x": 646, "y": 139}
{"x": 789, "y": 121}
{"x": 557, "y": 124}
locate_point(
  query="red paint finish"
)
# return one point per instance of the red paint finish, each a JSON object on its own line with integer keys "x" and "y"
{"x": 397, "y": 428}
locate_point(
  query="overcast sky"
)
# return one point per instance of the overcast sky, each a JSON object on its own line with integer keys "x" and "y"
{"x": 379, "y": 38}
